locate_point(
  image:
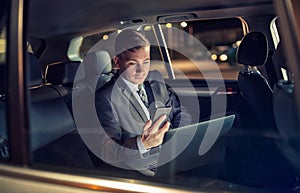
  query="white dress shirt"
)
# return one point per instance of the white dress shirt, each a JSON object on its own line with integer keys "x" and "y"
{"x": 134, "y": 88}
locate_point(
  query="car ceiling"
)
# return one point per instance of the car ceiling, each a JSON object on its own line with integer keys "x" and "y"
{"x": 77, "y": 17}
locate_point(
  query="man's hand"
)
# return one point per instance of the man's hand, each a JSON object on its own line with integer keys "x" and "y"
{"x": 153, "y": 134}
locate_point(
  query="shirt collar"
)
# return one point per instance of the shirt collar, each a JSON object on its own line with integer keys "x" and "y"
{"x": 131, "y": 86}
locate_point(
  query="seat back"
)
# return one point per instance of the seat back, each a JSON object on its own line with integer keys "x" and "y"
{"x": 61, "y": 76}
{"x": 285, "y": 112}
{"x": 61, "y": 73}
{"x": 97, "y": 72}
{"x": 53, "y": 136}
{"x": 287, "y": 120}
{"x": 253, "y": 52}
{"x": 35, "y": 76}
{"x": 97, "y": 66}
{"x": 46, "y": 106}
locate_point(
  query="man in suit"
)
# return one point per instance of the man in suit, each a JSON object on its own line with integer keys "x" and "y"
{"x": 126, "y": 105}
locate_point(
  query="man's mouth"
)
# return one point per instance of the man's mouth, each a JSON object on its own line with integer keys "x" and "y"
{"x": 139, "y": 77}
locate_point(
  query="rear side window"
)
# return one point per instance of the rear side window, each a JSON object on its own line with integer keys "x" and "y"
{"x": 80, "y": 46}
{"x": 195, "y": 47}
{"x": 200, "y": 49}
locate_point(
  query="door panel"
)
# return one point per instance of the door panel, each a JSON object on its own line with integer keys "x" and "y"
{"x": 205, "y": 99}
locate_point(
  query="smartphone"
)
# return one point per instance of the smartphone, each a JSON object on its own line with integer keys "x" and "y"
{"x": 161, "y": 111}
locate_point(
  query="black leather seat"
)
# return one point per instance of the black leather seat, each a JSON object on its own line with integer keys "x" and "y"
{"x": 61, "y": 76}
{"x": 73, "y": 79}
{"x": 253, "y": 52}
{"x": 259, "y": 151}
{"x": 287, "y": 117}
{"x": 62, "y": 73}
{"x": 53, "y": 135}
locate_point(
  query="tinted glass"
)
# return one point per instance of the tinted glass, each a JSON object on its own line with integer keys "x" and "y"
{"x": 196, "y": 46}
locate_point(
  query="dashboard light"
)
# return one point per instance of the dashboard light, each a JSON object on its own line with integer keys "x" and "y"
{"x": 183, "y": 24}
{"x": 148, "y": 28}
{"x": 223, "y": 57}
{"x": 214, "y": 57}
{"x": 105, "y": 37}
{"x": 168, "y": 25}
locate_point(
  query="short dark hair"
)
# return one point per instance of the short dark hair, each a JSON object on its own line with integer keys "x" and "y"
{"x": 130, "y": 40}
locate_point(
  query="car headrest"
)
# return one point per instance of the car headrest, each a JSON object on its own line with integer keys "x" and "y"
{"x": 35, "y": 71}
{"x": 155, "y": 75}
{"x": 253, "y": 49}
{"x": 96, "y": 63}
{"x": 62, "y": 72}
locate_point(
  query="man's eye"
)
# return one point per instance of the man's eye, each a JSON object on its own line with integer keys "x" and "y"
{"x": 147, "y": 62}
{"x": 132, "y": 63}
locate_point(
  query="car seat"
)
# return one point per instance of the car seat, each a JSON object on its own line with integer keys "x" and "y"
{"x": 98, "y": 69}
{"x": 61, "y": 76}
{"x": 287, "y": 117}
{"x": 53, "y": 136}
{"x": 253, "y": 52}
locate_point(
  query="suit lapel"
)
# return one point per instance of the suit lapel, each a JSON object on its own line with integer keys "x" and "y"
{"x": 133, "y": 101}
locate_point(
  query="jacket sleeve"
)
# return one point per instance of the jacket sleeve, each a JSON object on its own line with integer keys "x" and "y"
{"x": 114, "y": 149}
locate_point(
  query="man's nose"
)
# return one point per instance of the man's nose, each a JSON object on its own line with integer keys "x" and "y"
{"x": 139, "y": 68}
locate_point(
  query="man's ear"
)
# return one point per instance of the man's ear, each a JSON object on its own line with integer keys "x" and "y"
{"x": 117, "y": 61}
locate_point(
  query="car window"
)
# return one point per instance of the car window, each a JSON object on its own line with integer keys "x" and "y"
{"x": 194, "y": 45}
{"x": 196, "y": 48}
{"x": 4, "y": 150}
{"x": 80, "y": 46}
{"x": 155, "y": 53}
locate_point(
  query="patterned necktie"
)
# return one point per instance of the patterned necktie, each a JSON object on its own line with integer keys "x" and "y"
{"x": 142, "y": 95}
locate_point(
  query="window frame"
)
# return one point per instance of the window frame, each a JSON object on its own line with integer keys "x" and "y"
{"x": 17, "y": 111}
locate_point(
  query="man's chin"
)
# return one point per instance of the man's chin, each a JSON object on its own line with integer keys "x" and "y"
{"x": 139, "y": 80}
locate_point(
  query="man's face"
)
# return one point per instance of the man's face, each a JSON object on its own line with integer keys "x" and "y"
{"x": 134, "y": 66}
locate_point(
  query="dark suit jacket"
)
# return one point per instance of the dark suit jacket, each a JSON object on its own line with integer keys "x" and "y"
{"x": 123, "y": 118}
